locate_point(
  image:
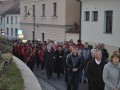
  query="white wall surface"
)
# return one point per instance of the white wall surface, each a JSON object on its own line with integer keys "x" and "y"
{"x": 94, "y": 31}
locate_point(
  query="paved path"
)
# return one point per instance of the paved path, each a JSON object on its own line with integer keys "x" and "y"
{"x": 54, "y": 83}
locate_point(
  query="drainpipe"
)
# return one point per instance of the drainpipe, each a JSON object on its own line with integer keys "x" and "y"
{"x": 80, "y": 27}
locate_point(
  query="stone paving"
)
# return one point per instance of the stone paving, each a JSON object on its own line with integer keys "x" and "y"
{"x": 54, "y": 83}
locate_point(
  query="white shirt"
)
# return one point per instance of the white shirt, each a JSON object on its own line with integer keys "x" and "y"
{"x": 98, "y": 62}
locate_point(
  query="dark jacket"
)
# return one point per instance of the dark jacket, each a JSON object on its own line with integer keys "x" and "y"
{"x": 74, "y": 62}
{"x": 49, "y": 59}
{"x": 64, "y": 58}
{"x": 105, "y": 54}
{"x": 94, "y": 74}
{"x": 59, "y": 61}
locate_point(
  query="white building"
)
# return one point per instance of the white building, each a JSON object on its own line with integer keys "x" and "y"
{"x": 101, "y": 22}
{"x": 52, "y": 18}
{"x": 10, "y": 18}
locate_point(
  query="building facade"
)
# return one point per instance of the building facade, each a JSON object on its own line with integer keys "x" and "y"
{"x": 2, "y": 25}
{"x": 100, "y": 22}
{"x": 12, "y": 25}
{"x": 52, "y": 18}
{"x": 9, "y": 18}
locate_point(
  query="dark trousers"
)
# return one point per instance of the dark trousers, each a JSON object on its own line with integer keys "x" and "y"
{"x": 73, "y": 81}
{"x": 49, "y": 72}
{"x": 30, "y": 65}
{"x": 37, "y": 61}
{"x": 42, "y": 64}
{"x": 93, "y": 87}
{"x": 89, "y": 87}
{"x": 58, "y": 74}
{"x": 66, "y": 74}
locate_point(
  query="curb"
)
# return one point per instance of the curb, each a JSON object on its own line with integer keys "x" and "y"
{"x": 30, "y": 80}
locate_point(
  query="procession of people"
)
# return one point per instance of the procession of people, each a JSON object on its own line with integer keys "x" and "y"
{"x": 79, "y": 63}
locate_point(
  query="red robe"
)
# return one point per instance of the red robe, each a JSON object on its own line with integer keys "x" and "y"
{"x": 25, "y": 51}
{"x": 80, "y": 46}
{"x": 20, "y": 50}
{"x": 40, "y": 54}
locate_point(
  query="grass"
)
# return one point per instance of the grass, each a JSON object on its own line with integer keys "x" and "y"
{"x": 13, "y": 79}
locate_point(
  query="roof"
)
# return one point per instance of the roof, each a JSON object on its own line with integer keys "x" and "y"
{"x": 10, "y": 7}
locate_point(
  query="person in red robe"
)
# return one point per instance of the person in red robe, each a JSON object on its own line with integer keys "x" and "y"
{"x": 30, "y": 61}
{"x": 40, "y": 54}
{"x": 24, "y": 51}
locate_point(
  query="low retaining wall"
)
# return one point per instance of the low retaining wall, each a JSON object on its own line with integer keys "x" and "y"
{"x": 30, "y": 80}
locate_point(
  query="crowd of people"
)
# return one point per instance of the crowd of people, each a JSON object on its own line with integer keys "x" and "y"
{"x": 76, "y": 61}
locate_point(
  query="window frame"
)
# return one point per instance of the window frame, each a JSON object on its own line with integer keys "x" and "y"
{"x": 7, "y": 31}
{"x": 55, "y": 9}
{"x": 11, "y": 31}
{"x": 94, "y": 17}
{"x": 106, "y": 18}
{"x": 16, "y": 32}
{"x": 7, "y": 20}
{"x": 25, "y": 12}
{"x": 11, "y": 19}
{"x": 43, "y": 10}
{"x": 87, "y": 16}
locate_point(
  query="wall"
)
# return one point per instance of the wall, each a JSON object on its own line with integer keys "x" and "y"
{"x": 49, "y": 19}
{"x": 72, "y": 12}
{"x": 69, "y": 36}
{"x": 94, "y": 31}
{"x": 53, "y": 27}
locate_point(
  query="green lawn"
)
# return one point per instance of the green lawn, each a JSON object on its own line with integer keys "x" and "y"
{"x": 13, "y": 79}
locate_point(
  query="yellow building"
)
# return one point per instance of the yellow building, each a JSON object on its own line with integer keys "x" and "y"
{"x": 52, "y": 19}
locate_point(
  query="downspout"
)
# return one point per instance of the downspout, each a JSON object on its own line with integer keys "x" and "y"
{"x": 80, "y": 19}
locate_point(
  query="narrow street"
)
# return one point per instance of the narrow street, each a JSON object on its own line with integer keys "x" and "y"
{"x": 54, "y": 83}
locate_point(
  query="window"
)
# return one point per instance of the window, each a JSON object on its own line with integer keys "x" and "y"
{"x": 55, "y": 9}
{"x": 11, "y": 31}
{"x": 1, "y": 31}
{"x": 16, "y": 32}
{"x": 7, "y": 31}
{"x": 16, "y": 20}
{"x": 33, "y": 10}
{"x": 95, "y": 15}
{"x": 43, "y": 10}
{"x": 1, "y": 20}
{"x": 25, "y": 11}
{"x": 108, "y": 21}
{"x": 7, "y": 20}
{"x": 87, "y": 15}
{"x": 11, "y": 20}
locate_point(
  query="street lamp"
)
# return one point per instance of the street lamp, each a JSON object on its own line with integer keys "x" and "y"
{"x": 80, "y": 17}
{"x": 33, "y": 32}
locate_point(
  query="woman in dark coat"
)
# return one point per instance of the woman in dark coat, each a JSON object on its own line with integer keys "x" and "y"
{"x": 59, "y": 61}
{"x": 49, "y": 59}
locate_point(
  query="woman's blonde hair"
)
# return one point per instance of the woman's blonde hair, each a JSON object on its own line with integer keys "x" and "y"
{"x": 115, "y": 54}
